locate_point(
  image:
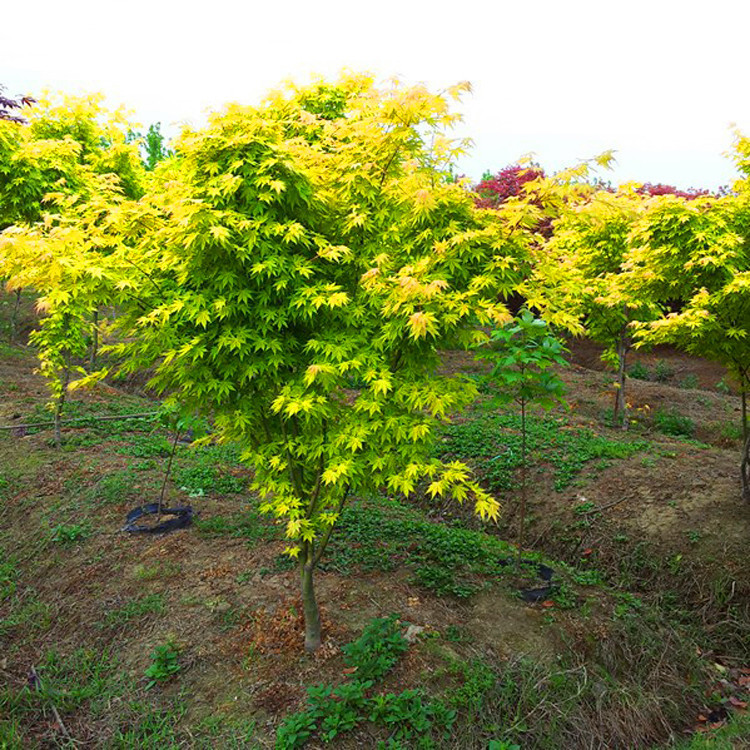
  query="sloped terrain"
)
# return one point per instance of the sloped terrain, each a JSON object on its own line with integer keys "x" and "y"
{"x": 192, "y": 639}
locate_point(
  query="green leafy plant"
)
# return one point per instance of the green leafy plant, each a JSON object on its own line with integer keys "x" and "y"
{"x": 70, "y": 533}
{"x": 385, "y": 534}
{"x": 444, "y": 581}
{"x": 723, "y": 387}
{"x": 493, "y": 440}
{"x": 378, "y": 649}
{"x": 694, "y": 536}
{"x": 639, "y": 371}
{"x": 474, "y": 679}
{"x": 690, "y": 381}
{"x": 152, "y": 146}
{"x": 332, "y": 711}
{"x": 663, "y": 371}
{"x": 409, "y": 715}
{"x": 523, "y": 354}
{"x": 146, "y": 446}
{"x": 456, "y": 634}
{"x": 164, "y": 663}
{"x": 672, "y": 423}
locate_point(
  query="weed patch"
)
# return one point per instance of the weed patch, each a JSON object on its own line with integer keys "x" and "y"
{"x": 210, "y": 470}
{"x": 447, "y": 560}
{"x": 146, "y": 446}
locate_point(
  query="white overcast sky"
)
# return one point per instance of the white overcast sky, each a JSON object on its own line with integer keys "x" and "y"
{"x": 660, "y": 81}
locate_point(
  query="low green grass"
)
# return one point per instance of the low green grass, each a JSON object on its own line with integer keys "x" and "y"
{"x": 93, "y": 685}
{"x": 116, "y": 487}
{"x": 9, "y": 574}
{"x": 150, "y": 604}
{"x": 149, "y": 727}
{"x": 161, "y": 569}
{"x": 158, "y": 728}
{"x": 249, "y": 524}
{"x": 213, "y": 469}
{"x": 83, "y": 678}
{"x": 27, "y": 615}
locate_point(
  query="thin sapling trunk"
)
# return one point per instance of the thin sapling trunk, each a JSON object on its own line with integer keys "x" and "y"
{"x": 168, "y": 469}
{"x": 59, "y": 404}
{"x": 522, "y": 523}
{"x": 745, "y": 470}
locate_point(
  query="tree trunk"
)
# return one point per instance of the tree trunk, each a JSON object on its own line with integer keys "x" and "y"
{"x": 745, "y": 465}
{"x": 65, "y": 379}
{"x": 14, "y": 317}
{"x": 309, "y": 603}
{"x": 94, "y": 339}
{"x": 621, "y": 406}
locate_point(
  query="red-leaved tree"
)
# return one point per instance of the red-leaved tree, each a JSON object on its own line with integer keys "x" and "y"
{"x": 9, "y": 107}
{"x": 494, "y": 190}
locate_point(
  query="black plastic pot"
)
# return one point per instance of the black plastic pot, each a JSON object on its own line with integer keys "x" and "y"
{"x": 545, "y": 573}
{"x": 181, "y": 518}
